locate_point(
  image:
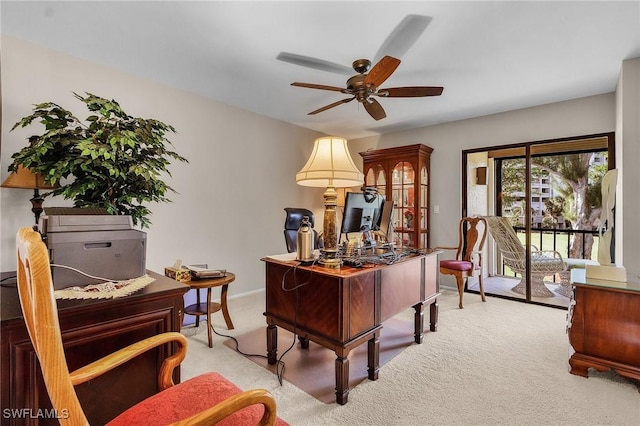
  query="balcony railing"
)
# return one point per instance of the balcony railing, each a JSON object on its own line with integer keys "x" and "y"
{"x": 559, "y": 240}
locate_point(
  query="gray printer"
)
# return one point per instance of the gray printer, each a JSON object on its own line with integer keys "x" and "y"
{"x": 94, "y": 242}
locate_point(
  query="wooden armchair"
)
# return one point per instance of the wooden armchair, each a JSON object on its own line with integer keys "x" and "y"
{"x": 202, "y": 400}
{"x": 468, "y": 261}
{"x": 543, "y": 262}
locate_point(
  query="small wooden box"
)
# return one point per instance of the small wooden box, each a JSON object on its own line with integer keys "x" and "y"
{"x": 183, "y": 275}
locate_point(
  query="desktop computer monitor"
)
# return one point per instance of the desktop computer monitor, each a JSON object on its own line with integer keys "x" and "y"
{"x": 363, "y": 212}
{"x": 385, "y": 229}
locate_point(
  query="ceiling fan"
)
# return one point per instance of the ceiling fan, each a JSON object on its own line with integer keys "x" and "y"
{"x": 365, "y": 85}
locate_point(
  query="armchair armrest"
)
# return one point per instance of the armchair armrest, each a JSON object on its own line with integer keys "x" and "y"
{"x": 115, "y": 359}
{"x": 231, "y": 405}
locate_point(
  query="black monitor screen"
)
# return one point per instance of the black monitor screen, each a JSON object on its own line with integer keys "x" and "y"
{"x": 362, "y": 212}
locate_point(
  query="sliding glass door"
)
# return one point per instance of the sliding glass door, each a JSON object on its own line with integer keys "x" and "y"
{"x": 550, "y": 194}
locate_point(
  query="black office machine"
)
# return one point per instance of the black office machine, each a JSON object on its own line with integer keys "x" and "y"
{"x": 89, "y": 242}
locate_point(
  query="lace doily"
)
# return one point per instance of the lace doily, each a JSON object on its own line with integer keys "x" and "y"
{"x": 108, "y": 290}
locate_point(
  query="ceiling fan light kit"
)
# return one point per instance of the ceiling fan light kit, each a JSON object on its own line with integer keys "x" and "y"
{"x": 365, "y": 84}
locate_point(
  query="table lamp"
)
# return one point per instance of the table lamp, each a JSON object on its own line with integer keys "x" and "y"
{"x": 330, "y": 166}
{"x": 24, "y": 178}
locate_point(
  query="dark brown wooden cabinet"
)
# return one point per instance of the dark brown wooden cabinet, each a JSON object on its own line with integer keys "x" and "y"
{"x": 90, "y": 330}
{"x": 604, "y": 328}
{"x": 402, "y": 174}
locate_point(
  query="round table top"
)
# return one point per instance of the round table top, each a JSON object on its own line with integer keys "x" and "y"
{"x": 212, "y": 282}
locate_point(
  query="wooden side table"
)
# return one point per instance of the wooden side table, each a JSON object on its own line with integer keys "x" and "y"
{"x": 208, "y": 307}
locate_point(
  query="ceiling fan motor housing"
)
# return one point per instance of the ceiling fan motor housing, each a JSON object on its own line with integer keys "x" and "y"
{"x": 356, "y": 86}
{"x": 361, "y": 65}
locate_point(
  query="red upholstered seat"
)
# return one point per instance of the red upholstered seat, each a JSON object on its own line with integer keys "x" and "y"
{"x": 457, "y": 265}
{"x": 186, "y": 399}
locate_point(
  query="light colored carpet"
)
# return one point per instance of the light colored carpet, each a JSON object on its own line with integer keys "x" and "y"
{"x": 313, "y": 369}
{"x": 499, "y": 362}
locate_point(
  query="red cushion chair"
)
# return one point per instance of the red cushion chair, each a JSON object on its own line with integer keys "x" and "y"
{"x": 206, "y": 390}
{"x": 468, "y": 261}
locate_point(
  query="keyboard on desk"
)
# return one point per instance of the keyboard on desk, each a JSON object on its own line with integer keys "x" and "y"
{"x": 370, "y": 259}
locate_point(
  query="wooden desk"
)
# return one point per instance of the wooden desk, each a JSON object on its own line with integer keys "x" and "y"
{"x": 207, "y": 308}
{"x": 343, "y": 308}
{"x": 604, "y": 328}
{"x": 90, "y": 329}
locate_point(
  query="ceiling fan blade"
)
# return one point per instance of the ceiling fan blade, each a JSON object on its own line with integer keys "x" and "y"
{"x": 318, "y": 64}
{"x": 403, "y": 36}
{"x": 335, "y": 104}
{"x": 374, "y": 109}
{"x": 382, "y": 70}
{"x": 319, "y": 86}
{"x": 410, "y": 91}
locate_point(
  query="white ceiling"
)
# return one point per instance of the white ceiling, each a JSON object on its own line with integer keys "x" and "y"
{"x": 489, "y": 56}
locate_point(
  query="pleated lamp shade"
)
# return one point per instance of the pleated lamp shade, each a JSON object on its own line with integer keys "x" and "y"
{"x": 330, "y": 164}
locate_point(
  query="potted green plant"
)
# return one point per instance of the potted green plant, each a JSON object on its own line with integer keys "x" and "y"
{"x": 111, "y": 160}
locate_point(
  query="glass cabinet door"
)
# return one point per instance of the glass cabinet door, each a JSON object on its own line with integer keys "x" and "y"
{"x": 405, "y": 214}
{"x": 424, "y": 206}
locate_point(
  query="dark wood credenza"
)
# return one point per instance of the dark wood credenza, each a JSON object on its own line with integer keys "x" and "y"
{"x": 90, "y": 330}
{"x": 604, "y": 328}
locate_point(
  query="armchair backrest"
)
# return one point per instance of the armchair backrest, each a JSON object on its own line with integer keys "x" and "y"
{"x": 472, "y": 235}
{"x": 511, "y": 248}
{"x": 35, "y": 289}
{"x": 292, "y": 223}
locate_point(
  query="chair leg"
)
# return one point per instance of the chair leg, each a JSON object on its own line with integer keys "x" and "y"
{"x": 460, "y": 282}
{"x": 481, "y": 288}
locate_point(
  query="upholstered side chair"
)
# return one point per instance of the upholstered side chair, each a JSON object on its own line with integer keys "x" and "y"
{"x": 202, "y": 400}
{"x": 472, "y": 233}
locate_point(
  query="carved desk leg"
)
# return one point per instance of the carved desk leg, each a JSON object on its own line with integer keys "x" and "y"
{"x": 418, "y": 333}
{"x": 342, "y": 378}
{"x": 304, "y": 342}
{"x": 433, "y": 313}
{"x": 272, "y": 344}
{"x": 373, "y": 356}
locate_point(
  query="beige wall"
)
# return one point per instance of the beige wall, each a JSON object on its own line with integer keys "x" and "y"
{"x": 241, "y": 173}
{"x": 628, "y": 159}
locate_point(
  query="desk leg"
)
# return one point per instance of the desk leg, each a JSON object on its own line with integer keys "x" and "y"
{"x": 304, "y": 342}
{"x": 342, "y": 378}
{"x": 272, "y": 344}
{"x": 418, "y": 330}
{"x": 225, "y": 308}
{"x": 433, "y": 316}
{"x": 373, "y": 356}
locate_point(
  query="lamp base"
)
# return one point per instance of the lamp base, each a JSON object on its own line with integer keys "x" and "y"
{"x": 330, "y": 263}
{"x": 330, "y": 259}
